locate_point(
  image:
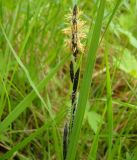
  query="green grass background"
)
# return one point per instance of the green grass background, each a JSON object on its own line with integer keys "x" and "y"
{"x": 35, "y": 86}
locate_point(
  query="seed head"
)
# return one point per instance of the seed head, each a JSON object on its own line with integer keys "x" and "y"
{"x": 75, "y": 31}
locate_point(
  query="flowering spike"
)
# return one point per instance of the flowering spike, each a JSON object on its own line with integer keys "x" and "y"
{"x": 75, "y": 31}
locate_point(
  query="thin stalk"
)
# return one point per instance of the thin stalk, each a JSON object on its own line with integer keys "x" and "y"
{"x": 109, "y": 108}
{"x": 74, "y": 75}
{"x": 85, "y": 86}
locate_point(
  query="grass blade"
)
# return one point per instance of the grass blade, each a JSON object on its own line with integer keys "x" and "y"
{"x": 24, "y": 69}
{"x": 111, "y": 17}
{"x": 28, "y": 99}
{"x": 27, "y": 140}
{"x": 109, "y": 108}
{"x": 93, "y": 151}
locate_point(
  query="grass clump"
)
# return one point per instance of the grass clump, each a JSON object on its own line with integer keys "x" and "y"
{"x": 37, "y": 90}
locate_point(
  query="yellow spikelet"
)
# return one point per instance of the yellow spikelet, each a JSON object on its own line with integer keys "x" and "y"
{"x": 81, "y": 30}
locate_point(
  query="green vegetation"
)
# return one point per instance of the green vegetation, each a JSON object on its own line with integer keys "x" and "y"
{"x": 35, "y": 85}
